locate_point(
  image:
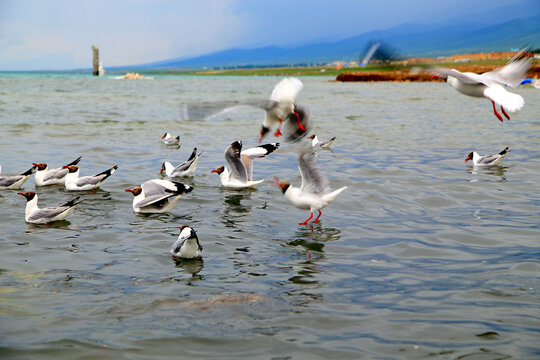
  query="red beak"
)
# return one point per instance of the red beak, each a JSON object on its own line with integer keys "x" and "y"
{"x": 129, "y": 190}
{"x": 213, "y": 171}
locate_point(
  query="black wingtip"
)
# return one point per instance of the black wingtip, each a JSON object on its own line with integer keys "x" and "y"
{"x": 270, "y": 148}
{"x": 506, "y": 150}
{"x": 75, "y": 162}
{"x": 29, "y": 171}
{"x": 182, "y": 188}
{"x": 73, "y": 202}
{"x": 193, "y": 154}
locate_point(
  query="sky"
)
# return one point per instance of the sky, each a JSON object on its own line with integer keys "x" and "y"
{"x": 58, "y": 34}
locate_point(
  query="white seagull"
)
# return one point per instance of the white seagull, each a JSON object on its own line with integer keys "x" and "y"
{"x": 183, "y": 169}
{"x": 168, "y": 139}
{"x": 241, "y": 164}
{"x": 323, "y": 144}
{"x": 280, "y": 105}
{"x": 15, "y": 181}
{"x": 46, "y": 176}
{"x": 314, "y": 193}
{"x": 34, "y": 215}
{"x": 187, "y": 246}
{"x": 490, "y": 84}
{"x": 157, "y": 196}
{"x": 494, "y": 159}
{"x": 74, "y": 182}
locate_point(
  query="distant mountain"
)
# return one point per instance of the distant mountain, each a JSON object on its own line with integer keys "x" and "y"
{"x": 465, "y": 35}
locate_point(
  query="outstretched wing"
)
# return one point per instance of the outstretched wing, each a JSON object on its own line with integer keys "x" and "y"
{"x": 313, "y": 181}
{"x": 232, "y": 156}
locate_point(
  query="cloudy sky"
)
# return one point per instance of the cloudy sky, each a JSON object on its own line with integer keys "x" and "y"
{"x": 57, "y": 34}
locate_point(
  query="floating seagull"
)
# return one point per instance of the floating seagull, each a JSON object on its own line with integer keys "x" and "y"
{"x": 241, "y": 164}
{"x": 168, "y": 139}
{"x": 44, "y": 176}
{"x": 490, "y": 84}
{"x": 184, "y": 169}
{"x": 74, "y": 182}
{"x": 323, "y": 144}
{"x": 314, "y": 193}
{"x": 15, "y": 181}
{"x": 187, "y": 246}
{"x": 494, "y": 159}
{"x": 157, "y": 196}
{"x": 34, "y": 215}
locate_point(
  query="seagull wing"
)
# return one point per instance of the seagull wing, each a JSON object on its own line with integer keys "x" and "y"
{"x": 237, "y": 166}
{"x": 313, "y": 181}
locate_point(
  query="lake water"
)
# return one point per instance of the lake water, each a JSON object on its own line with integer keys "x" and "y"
{"x": 421, "y": 257}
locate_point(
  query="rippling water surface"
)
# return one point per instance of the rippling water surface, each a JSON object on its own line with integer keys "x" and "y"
{"x": 421, "y": 257}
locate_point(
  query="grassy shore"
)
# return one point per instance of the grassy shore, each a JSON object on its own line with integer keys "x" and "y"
{"x": 475, "y": 66}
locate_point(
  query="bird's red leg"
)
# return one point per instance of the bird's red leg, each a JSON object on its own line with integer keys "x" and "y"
{"x": 505, "y": 114}
{"x": 317, "y": 219}
{"x": 299, "y": 125}
{"x": 495, "y": 111}
{"x": 305, "y": 222}
{"x": 278, "y": 131}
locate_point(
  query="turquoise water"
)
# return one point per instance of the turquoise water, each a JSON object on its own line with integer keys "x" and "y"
{"x": 421, "y": 257}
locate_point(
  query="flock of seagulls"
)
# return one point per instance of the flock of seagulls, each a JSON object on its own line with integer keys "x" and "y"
{"x": 293, "y": 123}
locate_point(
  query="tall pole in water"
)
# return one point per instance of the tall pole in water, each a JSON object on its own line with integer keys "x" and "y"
{"x": 95, "y": 53}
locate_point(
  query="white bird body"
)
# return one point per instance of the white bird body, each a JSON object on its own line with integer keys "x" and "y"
{"x": 187, "y": 246}
{"x": 487, "y": 160}
{"x": 15, "y": 181}
{"x": 314, "y": 193}
{"x": 240, "y": 163}
{"x": 184, "y": 169}
{"x": 284, "y": 95}
{"x": 157, "y": 195}
{"x": 75, "y": 183}
{"x": 310, "y": 201}
{"x": 168, "y": 139}
{"x": 490, "y": 84}
{"x": 45, "y": 176}
{"x": 230, "y": 181}
{"x": 323, "y": 144}
{"x": 34, "y": 215}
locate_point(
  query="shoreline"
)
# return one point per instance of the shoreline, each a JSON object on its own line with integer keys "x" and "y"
{"x": 405, "y": 75}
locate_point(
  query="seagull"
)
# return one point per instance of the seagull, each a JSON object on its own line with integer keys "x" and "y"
{"x": 15, "y": 181}
{"x": 241, "y": 164}
{"x": 323, "y": 144}
{"x": 187, "y": 246}
{"x": 280, "y": 108}
{"x": 168, "y": 139}
{"x": 183, "y": 169}
{"x": 34, "y": 215}
{"x": 490, "y": 84}
{"x": 280, "y": 105}
{"x": 494, "y": 159}
{"x": 44, "y": 176}
{"x": 157, "y": 196}
{"x": 74, "y": 182}
{"x": 314, "y": 193}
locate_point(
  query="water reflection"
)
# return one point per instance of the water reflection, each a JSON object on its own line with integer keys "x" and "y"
{"x": 312, "y": 239}
{"x": 313, "y": 236}
{"x": 495, "y": 170}
{"x": 35, "y": 228}
{"x": 191, "y": 266}
{"x": 233, "y": 210}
